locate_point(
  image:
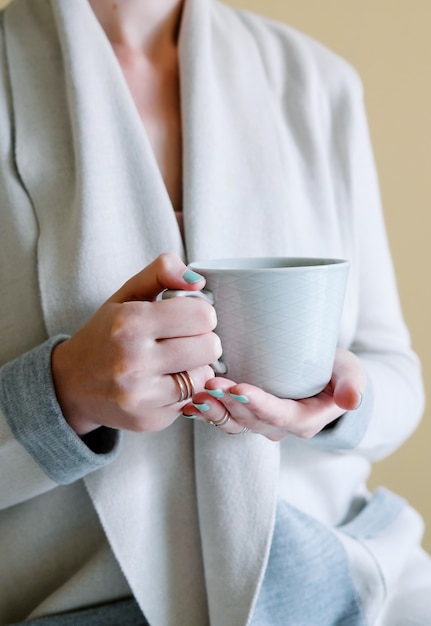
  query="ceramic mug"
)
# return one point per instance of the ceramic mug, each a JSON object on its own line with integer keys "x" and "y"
{"x": 278, "y": 319}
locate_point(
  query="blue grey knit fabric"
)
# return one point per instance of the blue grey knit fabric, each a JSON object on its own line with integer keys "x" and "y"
{"x": 29, "y": 402}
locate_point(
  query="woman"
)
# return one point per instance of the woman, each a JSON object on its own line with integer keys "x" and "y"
{"x": 132, "y": 129}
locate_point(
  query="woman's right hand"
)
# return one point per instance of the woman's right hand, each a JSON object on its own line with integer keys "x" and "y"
{"x": 115, "y": 371}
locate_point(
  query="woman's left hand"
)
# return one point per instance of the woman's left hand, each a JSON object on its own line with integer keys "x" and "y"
{"x": 251, "y": 408}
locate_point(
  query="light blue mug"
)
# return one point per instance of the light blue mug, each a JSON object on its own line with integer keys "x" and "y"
{"x": 278, "y": 319}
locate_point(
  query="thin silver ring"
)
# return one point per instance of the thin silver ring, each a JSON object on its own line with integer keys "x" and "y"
{"x": 241, "y": 432}
{"x": 185, "y": 385}
{"x": 221, "y": 422}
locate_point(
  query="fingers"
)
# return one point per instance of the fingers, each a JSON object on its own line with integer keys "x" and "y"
{"x": 165, "y": 272}
{"x": 216, "y": 402}
{"x": 182, "y": 317}
{"x": 164, "y": 319}
{"x": 185, "y": 353}
{"x": 164, "y": 336}
{"x": 261, "y": 412}
{"x": 215, "y": 414}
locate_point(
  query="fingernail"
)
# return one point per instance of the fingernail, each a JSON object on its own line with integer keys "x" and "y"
{"x": 215, "y": 393}
{"x": 239, "y": 398}
{"x": 202, "y": 407}
{"x": 192, "y": 277}
{"x": 360, "y": 401}
{"x": 189, "y": 417}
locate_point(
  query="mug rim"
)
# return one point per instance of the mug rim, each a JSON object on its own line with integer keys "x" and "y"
{"x": 274, "y": 263}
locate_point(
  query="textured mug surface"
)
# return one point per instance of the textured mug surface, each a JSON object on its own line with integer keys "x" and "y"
{"x": 278, "y": 319}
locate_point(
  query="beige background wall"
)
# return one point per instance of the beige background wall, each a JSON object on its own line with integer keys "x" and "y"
{"x": 388, "y": 42}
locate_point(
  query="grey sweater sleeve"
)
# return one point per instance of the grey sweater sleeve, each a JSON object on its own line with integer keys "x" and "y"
{"x": 28, "y": 400}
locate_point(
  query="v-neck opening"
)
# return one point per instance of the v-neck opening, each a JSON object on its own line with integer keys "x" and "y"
{"x": 142, "y": 131}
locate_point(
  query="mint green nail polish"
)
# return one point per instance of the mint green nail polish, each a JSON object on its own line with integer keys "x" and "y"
{"x": 239, "y": 398}
{"x": 202, "y": 407}
{"x": 192, "y": 277}
{"x": 189, "y": 417}
{"x": 215, "y": 393}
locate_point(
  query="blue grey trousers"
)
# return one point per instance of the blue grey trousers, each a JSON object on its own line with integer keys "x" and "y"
{"x": 307, "y": 583}
{"x": 123, "y": 613}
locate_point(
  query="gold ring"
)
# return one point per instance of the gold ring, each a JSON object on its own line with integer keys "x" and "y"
{"x": 241, "y": 432}
{"x": 221, "y": 422}
{"x": 185, "y": 385}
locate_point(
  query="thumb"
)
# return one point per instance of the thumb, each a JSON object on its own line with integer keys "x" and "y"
{"x": 167, "y": 271}
{"x": 348, "y": 380}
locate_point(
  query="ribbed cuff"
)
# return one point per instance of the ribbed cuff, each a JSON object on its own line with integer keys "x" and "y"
{"x": 29, "y": 402}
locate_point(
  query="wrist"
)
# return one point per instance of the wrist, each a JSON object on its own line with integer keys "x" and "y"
{"x": 62, "y": 376}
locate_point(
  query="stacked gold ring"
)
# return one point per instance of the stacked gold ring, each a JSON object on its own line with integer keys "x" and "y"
{"x": 185, "y": 385}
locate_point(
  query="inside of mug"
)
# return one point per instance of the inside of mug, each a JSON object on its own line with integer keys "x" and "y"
{"x": 251, "y": 263}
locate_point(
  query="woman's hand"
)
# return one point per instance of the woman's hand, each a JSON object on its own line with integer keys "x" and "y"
{"x": 115, "y": 371}
{"x": 275, "y": 418}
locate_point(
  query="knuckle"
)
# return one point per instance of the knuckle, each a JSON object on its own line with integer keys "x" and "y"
{"x": 126, "y": 390}
{"x": 166, "y": 261}
{"x": 200, "y": 376}
{"x": 120, "y": 369}
{"x": 205, "y": 313}
{"x": 212, "y": 316}
{"x": 210, "y": 347}
{"x": 121, "y": 396}
{"x": 122, "y": 387}
{"x": 208, "y": 373}
{"x": 129, "y": 402}
{"x": 201, "y": 312}
{"x": 121, "y": 324}
{"x": 129, "y": 320}
{"x": 164, "y": 258}
{"x": 217, "y": 347}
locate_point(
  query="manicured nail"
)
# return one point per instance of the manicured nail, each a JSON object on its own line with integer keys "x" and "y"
{"x": 239, "y": 398}
{"x": 202, "y": 407}
{"x": 189, "y": 417}
{"x": 192, "y": 277}
{"x": 215, "y": 393}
